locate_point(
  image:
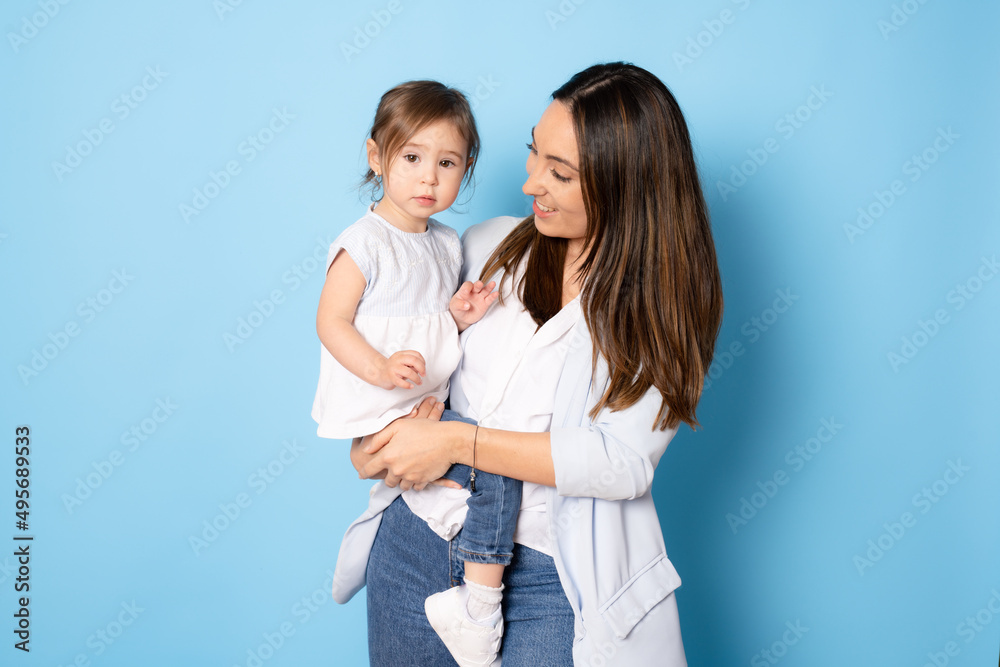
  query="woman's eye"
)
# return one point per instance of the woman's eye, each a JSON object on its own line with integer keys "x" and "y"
{"x": 560, "y": 177}
{"x": 531, "y": 147}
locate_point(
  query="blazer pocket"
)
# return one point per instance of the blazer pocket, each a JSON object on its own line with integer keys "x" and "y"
{"x": 642, "y": 592}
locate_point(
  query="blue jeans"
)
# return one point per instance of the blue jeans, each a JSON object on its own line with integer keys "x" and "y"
{"x": 410, "y": 562}
{"x": 488, "y": 533}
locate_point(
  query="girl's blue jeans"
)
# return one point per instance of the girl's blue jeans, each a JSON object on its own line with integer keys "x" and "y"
{"x": 488, "y": 533}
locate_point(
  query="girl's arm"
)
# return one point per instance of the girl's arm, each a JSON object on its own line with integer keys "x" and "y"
{"x": 335, "y": 325}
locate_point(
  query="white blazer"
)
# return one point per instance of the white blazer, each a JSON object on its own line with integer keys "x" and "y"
{"x": 607, "y": 540}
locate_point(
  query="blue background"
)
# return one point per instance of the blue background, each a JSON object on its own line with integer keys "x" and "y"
{"x": 115, "y": 533}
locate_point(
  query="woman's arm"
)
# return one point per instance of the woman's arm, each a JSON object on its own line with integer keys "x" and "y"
{"x": 338, "y": 303}
{"x": 612, "y": 458}
{"x": 415, "y": 451}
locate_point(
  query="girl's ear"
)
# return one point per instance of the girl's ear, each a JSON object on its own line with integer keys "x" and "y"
{"x": 373, "y": 158}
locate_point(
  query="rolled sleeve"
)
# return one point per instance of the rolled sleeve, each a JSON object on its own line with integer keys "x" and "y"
{"x": 614, "y": 457}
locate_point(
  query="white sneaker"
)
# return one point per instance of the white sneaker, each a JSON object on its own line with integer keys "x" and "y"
{"x": 471, "y": 643}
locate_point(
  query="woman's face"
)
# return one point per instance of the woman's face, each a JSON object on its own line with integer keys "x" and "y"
{"x": 554, "y": 178}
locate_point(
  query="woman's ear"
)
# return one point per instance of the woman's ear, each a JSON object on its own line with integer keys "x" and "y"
{"x": 373, "y": 157}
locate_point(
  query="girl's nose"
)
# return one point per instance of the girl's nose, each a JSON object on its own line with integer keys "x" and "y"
{"x": 429, "y": 174}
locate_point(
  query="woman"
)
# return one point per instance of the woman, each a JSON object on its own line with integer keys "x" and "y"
{"x": 610, "y": 307}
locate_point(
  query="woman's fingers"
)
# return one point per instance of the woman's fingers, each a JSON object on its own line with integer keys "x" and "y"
{"x": 377, "y": 441}
{"x": 427, "y": 408}
{"x": 363, "y": 472}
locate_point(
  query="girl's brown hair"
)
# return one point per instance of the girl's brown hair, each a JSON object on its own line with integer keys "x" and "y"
{"x": 408, "y": 108}
{"x": 651, "y": 295}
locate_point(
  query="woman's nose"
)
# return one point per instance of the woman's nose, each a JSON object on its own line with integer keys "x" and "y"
{"x": 532, "y": 186}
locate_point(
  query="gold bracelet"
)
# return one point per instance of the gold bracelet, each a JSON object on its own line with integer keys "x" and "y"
{"x": 472, "y": 477}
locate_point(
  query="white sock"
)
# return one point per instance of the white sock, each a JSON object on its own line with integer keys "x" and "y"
{"x": 483, "y": 601}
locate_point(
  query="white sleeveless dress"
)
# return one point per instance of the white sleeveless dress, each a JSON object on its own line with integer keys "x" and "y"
{"x": 410, "y": 278}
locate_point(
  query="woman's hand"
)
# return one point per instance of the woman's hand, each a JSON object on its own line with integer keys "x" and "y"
{"x": 428, "y": 408}
{"x": 413, "y": 451}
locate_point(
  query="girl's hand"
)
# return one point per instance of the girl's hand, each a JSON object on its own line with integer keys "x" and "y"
{"x": 412, "y": 451}
{"x": 402, "y": 369}
{"x": 471, "y": 302}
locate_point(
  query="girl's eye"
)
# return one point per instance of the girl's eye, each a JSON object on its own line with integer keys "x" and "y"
{"x": 560, "y": 177}
{"x": 531, "y": 147}
{"x": 410, "y": 157}
{"x": 447, "y": 163}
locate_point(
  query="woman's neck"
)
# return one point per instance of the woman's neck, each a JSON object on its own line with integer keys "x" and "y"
{"x": 572, "y": 280}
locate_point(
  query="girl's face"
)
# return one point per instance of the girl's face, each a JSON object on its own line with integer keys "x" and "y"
{"x": 554, "y": 178}
{"x": 423, "y": 178}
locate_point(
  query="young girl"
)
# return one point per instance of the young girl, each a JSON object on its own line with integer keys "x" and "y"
{"x": 389, "y": 324}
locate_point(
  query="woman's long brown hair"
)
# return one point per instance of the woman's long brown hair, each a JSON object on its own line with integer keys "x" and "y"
{"x": 651, "y": 295}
